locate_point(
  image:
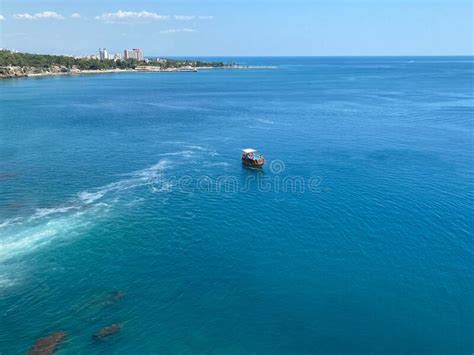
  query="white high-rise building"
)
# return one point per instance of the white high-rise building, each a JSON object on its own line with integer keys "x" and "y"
{"x": 127, "y": 54}
{"x": 103, "y": 54}
{"x": 135, "y": 53}
{"x": 139, "y": 54}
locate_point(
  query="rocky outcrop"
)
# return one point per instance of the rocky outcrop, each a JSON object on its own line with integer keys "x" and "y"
{"x": 17, "y": 72}
{"x": 47, "y": 345}
{"x": 115, "y": 296}
{"x": 14, "y": 72}
{"x": 108, "y": 331}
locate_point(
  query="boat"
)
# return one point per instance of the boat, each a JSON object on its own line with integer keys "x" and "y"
{"x": 252, "y": 157}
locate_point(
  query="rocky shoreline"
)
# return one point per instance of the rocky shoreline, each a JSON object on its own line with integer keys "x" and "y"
{"x": 19, "y": 72}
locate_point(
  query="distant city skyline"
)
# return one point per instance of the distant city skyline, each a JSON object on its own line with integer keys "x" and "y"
{"x": 240, "y": 28}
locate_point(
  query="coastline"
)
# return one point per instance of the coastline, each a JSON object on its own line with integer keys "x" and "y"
{"x": 76, "y": 72}
{"x": 25, "y": 72}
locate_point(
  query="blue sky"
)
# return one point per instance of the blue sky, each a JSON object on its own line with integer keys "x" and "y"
{"x": 240, "y": 27}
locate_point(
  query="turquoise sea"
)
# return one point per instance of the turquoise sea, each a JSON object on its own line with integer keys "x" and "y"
{"x": 357, "y": 236}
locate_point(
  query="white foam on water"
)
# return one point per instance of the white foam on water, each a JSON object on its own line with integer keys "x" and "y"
{"x": 161, "y": 186}
{"x": 182, "y": 153}
{"x": 137, "y": 179}
{"x": 189, "y": 150}
{"x": 29, "y": 238}
{"x": 154, "y": 170}
{"x": 174, "y": 142}
{"x": 261, "y": 120}
{"x": 209, "y": 151}
{"x": 21, "y": 240}
{"x": 42, "y": 212}
{"x": 135, "y": 202}
{"x": 21, "y": 235}
{"x": 197, "y": 147}
{"x": 89, "y": 197}
{"x": 208, "y": 165}
{"x": 6, "y": 281}
{"x": 10, "y": 221}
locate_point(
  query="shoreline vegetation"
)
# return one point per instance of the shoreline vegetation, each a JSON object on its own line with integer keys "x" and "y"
{"x": 15, "y": 65}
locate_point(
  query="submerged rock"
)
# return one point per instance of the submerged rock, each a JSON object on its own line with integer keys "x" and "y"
{"x": 90, "y": 309}
{"x": 107, "y": 331}
{"x": 108, "y": 299}
{"x": 47, "y": 345}
{"x": 116, "y": 296}
{"x": 113, "y": 298}
{"x": 7, "y": 175}
{"x": 15, "y": 205}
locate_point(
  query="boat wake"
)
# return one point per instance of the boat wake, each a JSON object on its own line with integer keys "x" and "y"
{"x": 21, "y": 238}
{"x": 262, "y": 120}
{"x": 137, "y": 179}
{"x": 23, "y": 235}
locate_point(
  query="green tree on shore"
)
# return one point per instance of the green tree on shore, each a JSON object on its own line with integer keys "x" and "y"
{"x": 45, "y": 61}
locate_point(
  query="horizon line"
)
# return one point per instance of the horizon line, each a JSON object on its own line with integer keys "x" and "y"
{"x": 320, "y": 56}
{"x": 270, "y": 56}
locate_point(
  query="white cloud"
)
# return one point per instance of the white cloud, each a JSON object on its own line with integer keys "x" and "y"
{"x": 178, "y": 30}
{"x": 40, "y": 15}
{"x": 75, "y": 15}
{"x": 24, "y": 17}
{"x": 2, "y": 18}
{"x": 130, "y": 16}
{"x": 205, "y": 17}
{"x": 184, "y": 18}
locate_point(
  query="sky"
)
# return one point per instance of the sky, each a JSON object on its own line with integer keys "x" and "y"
{"x": 240, "y": 27}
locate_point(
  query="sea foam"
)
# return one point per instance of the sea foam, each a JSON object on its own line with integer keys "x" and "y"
{"x": 22, "y": 235}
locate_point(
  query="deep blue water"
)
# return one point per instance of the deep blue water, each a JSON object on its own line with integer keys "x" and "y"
{"x": 355, "y": 238}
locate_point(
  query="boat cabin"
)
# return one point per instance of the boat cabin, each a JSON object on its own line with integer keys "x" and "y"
{"x": 252, "y": 157}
